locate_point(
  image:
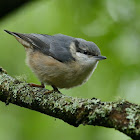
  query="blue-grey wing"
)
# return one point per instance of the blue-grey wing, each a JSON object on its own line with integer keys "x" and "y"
{"x": 60, "y": 50}
{"x": 57, "y": 46}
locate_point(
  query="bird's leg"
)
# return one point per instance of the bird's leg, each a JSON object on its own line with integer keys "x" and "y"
{"x": 35, "y": 85}
{"x": 55, "y": 89}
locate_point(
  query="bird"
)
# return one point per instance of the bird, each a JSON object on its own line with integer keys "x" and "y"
{"x": 59, "y": 60}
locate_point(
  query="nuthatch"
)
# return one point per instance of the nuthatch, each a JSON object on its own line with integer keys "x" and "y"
{"x": 59, "y": 60}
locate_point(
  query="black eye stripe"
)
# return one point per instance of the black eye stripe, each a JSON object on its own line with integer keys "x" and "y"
{"x": 86, "y": 52}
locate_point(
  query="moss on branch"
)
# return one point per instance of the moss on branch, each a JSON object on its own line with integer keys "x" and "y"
{"x": 121, "y": 115}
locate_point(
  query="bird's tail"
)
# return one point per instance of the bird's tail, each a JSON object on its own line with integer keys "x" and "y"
{"x": 21, "y": 38}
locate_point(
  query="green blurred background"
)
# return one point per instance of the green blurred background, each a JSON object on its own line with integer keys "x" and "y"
{"x": 114, "y": 25}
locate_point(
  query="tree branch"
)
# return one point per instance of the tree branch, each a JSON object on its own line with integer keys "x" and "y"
{"x": 121, "y": 115}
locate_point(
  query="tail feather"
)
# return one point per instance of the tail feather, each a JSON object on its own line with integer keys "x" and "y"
{"x": 13, "y": 33}
{"x": 21, "y": 38}
{"x": 8, "y": 32}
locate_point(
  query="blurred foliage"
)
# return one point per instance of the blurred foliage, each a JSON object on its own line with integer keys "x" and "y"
{"x": 112, "y": 24}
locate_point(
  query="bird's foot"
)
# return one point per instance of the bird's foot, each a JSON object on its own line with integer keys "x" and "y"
{"x": 35, "y": 85}
{"x": 55, "y": 89}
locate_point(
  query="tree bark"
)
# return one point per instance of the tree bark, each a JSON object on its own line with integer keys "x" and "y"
{"x": 121, "y": 115}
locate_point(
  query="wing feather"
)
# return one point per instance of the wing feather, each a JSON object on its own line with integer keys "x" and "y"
{"x": 57, "y": 46}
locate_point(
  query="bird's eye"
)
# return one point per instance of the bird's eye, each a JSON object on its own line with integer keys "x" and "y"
{"x": 85, "y": 52}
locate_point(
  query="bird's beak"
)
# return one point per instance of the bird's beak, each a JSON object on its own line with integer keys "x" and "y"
{"x": 99, "y": 57}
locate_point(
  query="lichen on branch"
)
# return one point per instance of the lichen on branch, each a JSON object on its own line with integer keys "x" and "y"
{"x": 121, "y": 115}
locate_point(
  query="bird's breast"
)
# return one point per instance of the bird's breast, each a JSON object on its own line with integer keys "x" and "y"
{"x": 53, "y": 72}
